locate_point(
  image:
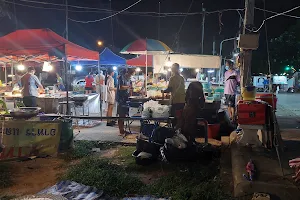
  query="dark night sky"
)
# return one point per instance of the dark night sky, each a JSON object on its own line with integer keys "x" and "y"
{"x": 130, "y": 27}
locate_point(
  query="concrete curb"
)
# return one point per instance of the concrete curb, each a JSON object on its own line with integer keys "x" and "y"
{"x": 269, "y": 179}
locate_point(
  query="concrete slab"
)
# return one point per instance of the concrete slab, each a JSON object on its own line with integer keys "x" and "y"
{"x": 269, "y": 178}
{"x": 103, "y": 133}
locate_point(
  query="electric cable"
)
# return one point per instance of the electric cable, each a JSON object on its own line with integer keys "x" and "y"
{"x": 97, "y": 20}
{"x": 278, "y": 14}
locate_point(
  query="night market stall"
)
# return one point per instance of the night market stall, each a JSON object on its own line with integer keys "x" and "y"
{"x": 84, "y": 66}
{"x": 24, "y": 131}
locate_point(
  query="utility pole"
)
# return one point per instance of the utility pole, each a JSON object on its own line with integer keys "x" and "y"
{"x": 112, "y": 25}
{"x": 67, "y": 19}
{"x": 158, "y": 31}
{"x": 247, "y": 54}
{"x": 203, "y": 26}
{"x": 214, "y": 47}
{"x": 15, "y": 13}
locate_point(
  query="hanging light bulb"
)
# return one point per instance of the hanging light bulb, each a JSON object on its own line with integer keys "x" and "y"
{"x": 169, "y": 63}
{"x": 21, "y": 67}
{"x": 114, "y": 68}
{"x": 181, "y": 69}
{"x": 197, "y": 70}
{"x": 138, "y": 69}
{"x": 47, "y": 67}
{"x": 50, "y": 67}
{"x": 78, "y": 67}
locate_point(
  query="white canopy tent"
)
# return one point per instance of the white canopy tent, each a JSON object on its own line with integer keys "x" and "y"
{"x": 194, "y": 61}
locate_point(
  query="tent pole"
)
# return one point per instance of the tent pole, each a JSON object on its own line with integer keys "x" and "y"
{"x": 146, "y": 81}
{"x": 5, "y": 73}
{"x": 12, "y": 68}
{"x": 67, "y": 83}
{"x": 100, "y": 89}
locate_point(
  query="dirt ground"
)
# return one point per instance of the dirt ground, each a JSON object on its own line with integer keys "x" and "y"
{"x": 30, "y": 177}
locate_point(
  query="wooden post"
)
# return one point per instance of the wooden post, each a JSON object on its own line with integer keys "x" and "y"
{"x": 247, "y": 54}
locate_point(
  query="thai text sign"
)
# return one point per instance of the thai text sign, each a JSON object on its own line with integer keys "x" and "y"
{"x": 29, "y": 138}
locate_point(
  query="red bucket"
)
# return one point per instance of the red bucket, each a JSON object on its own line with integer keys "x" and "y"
{"x": 213, "y": 131}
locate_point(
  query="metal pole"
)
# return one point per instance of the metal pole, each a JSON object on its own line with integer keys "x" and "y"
{"x": 214, "y": 47}
{"x": 67, "y": 19}
{"x": 15, "y": 12}
{"x": 5, "y": 73}
{"x": 247, "y": 55}
{"x": 203, "y": 26}
{"x": 221, "y": 72}
{"x": 67, "y": 83}
{"x": 146, "y": 81}
{"x": 100, "y": 89}
{"x": 220, "y": 54}
{"x": 158, "y": 31}
{"x": 112, "y": 25}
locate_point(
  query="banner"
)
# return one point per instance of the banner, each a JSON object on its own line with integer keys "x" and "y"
{"x": 29, "y": 138}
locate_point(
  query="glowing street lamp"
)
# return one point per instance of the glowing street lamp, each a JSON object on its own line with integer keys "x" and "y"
{"x": 99, "y": 43}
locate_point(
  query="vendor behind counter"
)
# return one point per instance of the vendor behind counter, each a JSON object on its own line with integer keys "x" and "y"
{"x": 30, "y": 84}
{"x": 177, "y": 88}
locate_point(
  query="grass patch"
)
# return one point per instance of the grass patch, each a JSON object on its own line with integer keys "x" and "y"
{"x": 5, "y": 175}
{"x": 119, "y": 177}
{"x": 84, "y": 148}
{"x": 7, "y": 197}
{"x": 113, "y": 179}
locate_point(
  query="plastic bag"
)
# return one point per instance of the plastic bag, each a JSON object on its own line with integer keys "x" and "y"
{"x": 161, "y": 111}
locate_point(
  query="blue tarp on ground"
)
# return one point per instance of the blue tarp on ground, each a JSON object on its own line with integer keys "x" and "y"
{"x": 107, "y": 58}
{"x": 144, "y": 198}
{"x": 72, "y": 190}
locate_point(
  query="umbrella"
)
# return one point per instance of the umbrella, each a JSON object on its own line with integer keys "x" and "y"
{"x": 146, "y": 47}
{"x": 141, "y": 61}
{"x": 143, "y": 46}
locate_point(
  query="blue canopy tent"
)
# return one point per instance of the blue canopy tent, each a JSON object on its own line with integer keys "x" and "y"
{"x": 107, "y": 58}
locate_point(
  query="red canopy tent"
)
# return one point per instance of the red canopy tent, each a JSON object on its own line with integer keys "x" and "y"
{"x": 41, "y": 45}
{"x": 141, "y": 61}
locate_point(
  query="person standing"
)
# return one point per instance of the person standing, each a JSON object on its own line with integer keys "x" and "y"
{"x": 111, "y": 95}
{"x": 100, "y": 84}
{"x": 177, "y": 88}
{"x": 60, "y": 83}
{"x": 123, "y": 93}
{"x": 30, "y": 84}
{"x": 16, "y": 81}
{"x": 89, "y": 79}
{"x": 232, "y": 79}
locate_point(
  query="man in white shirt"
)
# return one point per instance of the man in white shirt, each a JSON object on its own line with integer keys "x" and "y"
{"x": 111, "y": 95}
